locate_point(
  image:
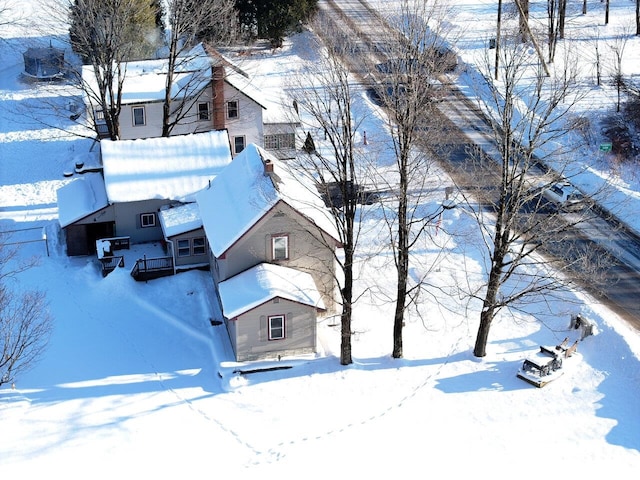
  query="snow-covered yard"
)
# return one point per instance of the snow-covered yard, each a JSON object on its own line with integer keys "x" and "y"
{"x": 138, "y": 383}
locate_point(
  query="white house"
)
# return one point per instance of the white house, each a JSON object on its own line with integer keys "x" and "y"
{"x": 216, "y": 95}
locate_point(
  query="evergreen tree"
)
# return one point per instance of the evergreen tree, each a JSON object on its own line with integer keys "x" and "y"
{"x": 273, "y": 19}
{"x": 138, "y": 25}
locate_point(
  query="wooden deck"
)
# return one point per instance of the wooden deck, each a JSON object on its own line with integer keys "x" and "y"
{"x": 150, "y": 268}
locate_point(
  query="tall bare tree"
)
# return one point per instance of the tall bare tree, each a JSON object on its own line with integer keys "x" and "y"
{"x": 25, "y": 324}
{"x": 530, "y": 116}
{"x": 409, "y": 90}
{"x": 106, "y": 34}
{"x": 187, "y": 23}
{"x": 553, "y": 26}
{"x": 333, "y": 159}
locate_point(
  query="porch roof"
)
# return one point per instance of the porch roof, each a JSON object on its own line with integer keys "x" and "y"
{"x": 180, "y": 219}
{"x": 264, "y": 282}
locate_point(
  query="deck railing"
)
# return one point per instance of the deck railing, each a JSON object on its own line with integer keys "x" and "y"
{"x": 109, "y": 264}
{"x": 148, "y": 268}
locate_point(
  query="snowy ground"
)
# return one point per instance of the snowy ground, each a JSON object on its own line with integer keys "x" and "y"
{"x": 137, "y": 383}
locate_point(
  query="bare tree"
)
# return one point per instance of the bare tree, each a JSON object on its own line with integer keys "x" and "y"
{"x": 523, "y": 11}
{"x": 617, "y": 46}
{"x": 7, "y": 9}
{"x": 524, "y": 34}
{"x": 528, "y": 118}
{"x": 25, "y": 325}
{"x": 189, "y": 22}
{"x": 409, "y": 91}
{"x": 554, "y": 24}
{"x": 597, "y": 57}
{"x": 103, "y": 35}
{"x": 338, "y": 168}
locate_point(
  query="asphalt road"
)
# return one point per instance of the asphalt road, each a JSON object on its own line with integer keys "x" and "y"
{"x": 602, "y": 255}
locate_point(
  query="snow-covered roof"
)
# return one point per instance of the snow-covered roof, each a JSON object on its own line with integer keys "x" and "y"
{"x": 180, "y": 219}
{"x": 145, "y": 79}
{"x": 266, "y": 281}
{"x": 247, "y": 194}
{"x": 81, "y": 197}
{"x": 243, "y": 84}
{"x": 171, "y": 168}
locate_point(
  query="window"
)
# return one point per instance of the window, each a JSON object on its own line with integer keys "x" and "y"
{"x": 238, "y": 144}
{"x": 184, "y": 248}
{"x": 99, "y": 115}
{"x": 147, "y": 220}
{"x": 232, "y": 109}
{"x": 280, "y": 247}
{"x": 276, "y": 327}
{"x": 138, "y": 116}
{"x": 280, "y": 141}
{"x": 203, "y": 111}
{"x": 199, "y": 246}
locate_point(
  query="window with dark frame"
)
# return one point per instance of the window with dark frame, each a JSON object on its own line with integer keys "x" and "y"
{"x": 204, "y": 112}
{"x": 147, "y": 220}
{"x": 138, "y": 116}
{"x": 199, "y": 246}
{"x": 232, "y": 109}
{"x": 276, "y": 327}
{"x": 238, "y": 144}
{"x": 184, "y": 248}
{"x": 280, "y": 141}
{"x": 280, "y": 247}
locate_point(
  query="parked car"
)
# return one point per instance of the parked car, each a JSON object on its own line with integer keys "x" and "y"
{"x": 332, "y": 194}
{"x": 564, "y": 196}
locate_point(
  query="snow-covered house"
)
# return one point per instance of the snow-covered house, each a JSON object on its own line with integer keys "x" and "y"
{"x": 270, "y": 217}
{"x": 209, "y": 93}
{"x": 139, "y": 179}
{"x": 271, "y": 310}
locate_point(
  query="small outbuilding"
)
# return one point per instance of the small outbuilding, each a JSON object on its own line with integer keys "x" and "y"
{"x": 44, "y": 63}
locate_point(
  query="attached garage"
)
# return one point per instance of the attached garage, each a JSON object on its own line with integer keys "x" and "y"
{"x": 85, "y": 214}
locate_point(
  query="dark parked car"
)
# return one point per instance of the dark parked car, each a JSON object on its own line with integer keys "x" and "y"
{"x": 332, "y": 194}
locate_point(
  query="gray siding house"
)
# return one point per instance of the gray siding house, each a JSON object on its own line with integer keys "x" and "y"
{"x": 139, "y": 178}
{"x": 271, "y": 218}
{"x": 263, "y": 232}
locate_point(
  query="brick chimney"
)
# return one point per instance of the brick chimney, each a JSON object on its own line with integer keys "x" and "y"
{"x": 217, "y": 87}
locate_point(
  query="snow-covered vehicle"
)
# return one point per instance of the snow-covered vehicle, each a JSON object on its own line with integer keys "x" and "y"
{"x": 564, "y": 196}
{"x": 546, "y": 364}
